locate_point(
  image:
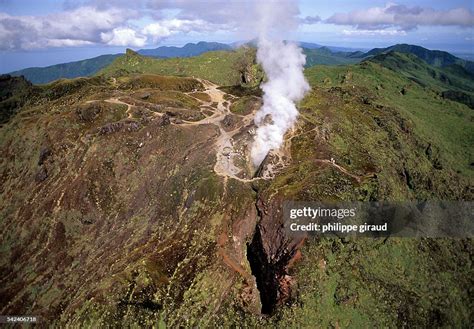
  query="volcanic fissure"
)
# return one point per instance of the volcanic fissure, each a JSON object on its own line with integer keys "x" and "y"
{"x": 271, "y": 269}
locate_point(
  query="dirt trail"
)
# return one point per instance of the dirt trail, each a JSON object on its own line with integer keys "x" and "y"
{"x": 344, "y": 170}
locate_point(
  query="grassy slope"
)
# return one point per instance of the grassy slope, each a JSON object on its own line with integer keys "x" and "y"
{"x": 452, "y": 77}
{"x": 122, "y": 201}
{"x": 444, "y": 123}
{"x": 393, "y": 284}
{"x": 13, "y": 94}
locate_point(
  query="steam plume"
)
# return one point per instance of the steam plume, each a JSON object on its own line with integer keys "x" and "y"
{"x": 283, "y": 63}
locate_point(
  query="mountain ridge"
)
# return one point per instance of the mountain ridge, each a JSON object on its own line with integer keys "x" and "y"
{"x": 436, "y": 58}
{"x": 316, "y": 55}
{"x": 188, "y": 50}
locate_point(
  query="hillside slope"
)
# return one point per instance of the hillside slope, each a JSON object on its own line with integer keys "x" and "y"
{"x": 14, "y": 93}
{"x": 452, "y": 82}
{"x": 70, "y": 70}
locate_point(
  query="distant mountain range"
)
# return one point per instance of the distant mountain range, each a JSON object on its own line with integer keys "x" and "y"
{"x": 188, "y": 50}
{"x": 309, "y": 45}
{"x": 329, "y": 56}
{"x": 315, "y": 55}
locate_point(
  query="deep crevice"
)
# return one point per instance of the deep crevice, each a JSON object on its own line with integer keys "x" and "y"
{"x": 270, "y": 271}
{"x": 267, "y": 284}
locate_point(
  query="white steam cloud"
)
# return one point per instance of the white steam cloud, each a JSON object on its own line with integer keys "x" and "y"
{"x": 283, "y": 63}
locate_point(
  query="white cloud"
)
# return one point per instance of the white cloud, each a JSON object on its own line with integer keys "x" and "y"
{"x": 248, "y": 16}
{"x": 112, "y": 22}
{"x": 168, "y": 27}
{"x": 81, "y": 26}
{"x": 374, "y": 32}
{"x": 67, "y": 43}
{"x": 123, "y": 37}
{"x": 403, "y": 17}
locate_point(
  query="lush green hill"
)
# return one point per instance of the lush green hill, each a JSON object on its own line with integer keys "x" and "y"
{"x": 70, "y": 70}
{"x": 221, "y": 67}
{"x": 451, "y": 81}
{"x": 433, "y": 57}
{"x": 188, "y": 50}
{"x": 216, "y": 66}
{"x": 315, "y": 55}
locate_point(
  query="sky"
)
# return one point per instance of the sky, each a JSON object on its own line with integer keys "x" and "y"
{"x": 47, "y": 32}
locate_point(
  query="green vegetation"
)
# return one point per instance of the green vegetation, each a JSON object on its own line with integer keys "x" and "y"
{"x": 202, "y": 96}
{"x": 245, "y": 105}
{"x": 188, "y": 50}
{"x": 420, "y": 106}
{"x": 157, "y": 82}
{"x": 314, "y": 56}
{"x": 89, "y": 67}
{"x": 170, "y": 98}
{"x": 394, "y": 283}
{"x": 13, "y": 94}
{"x": 399, "y": 141}
{"x": 453, "y": 77}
